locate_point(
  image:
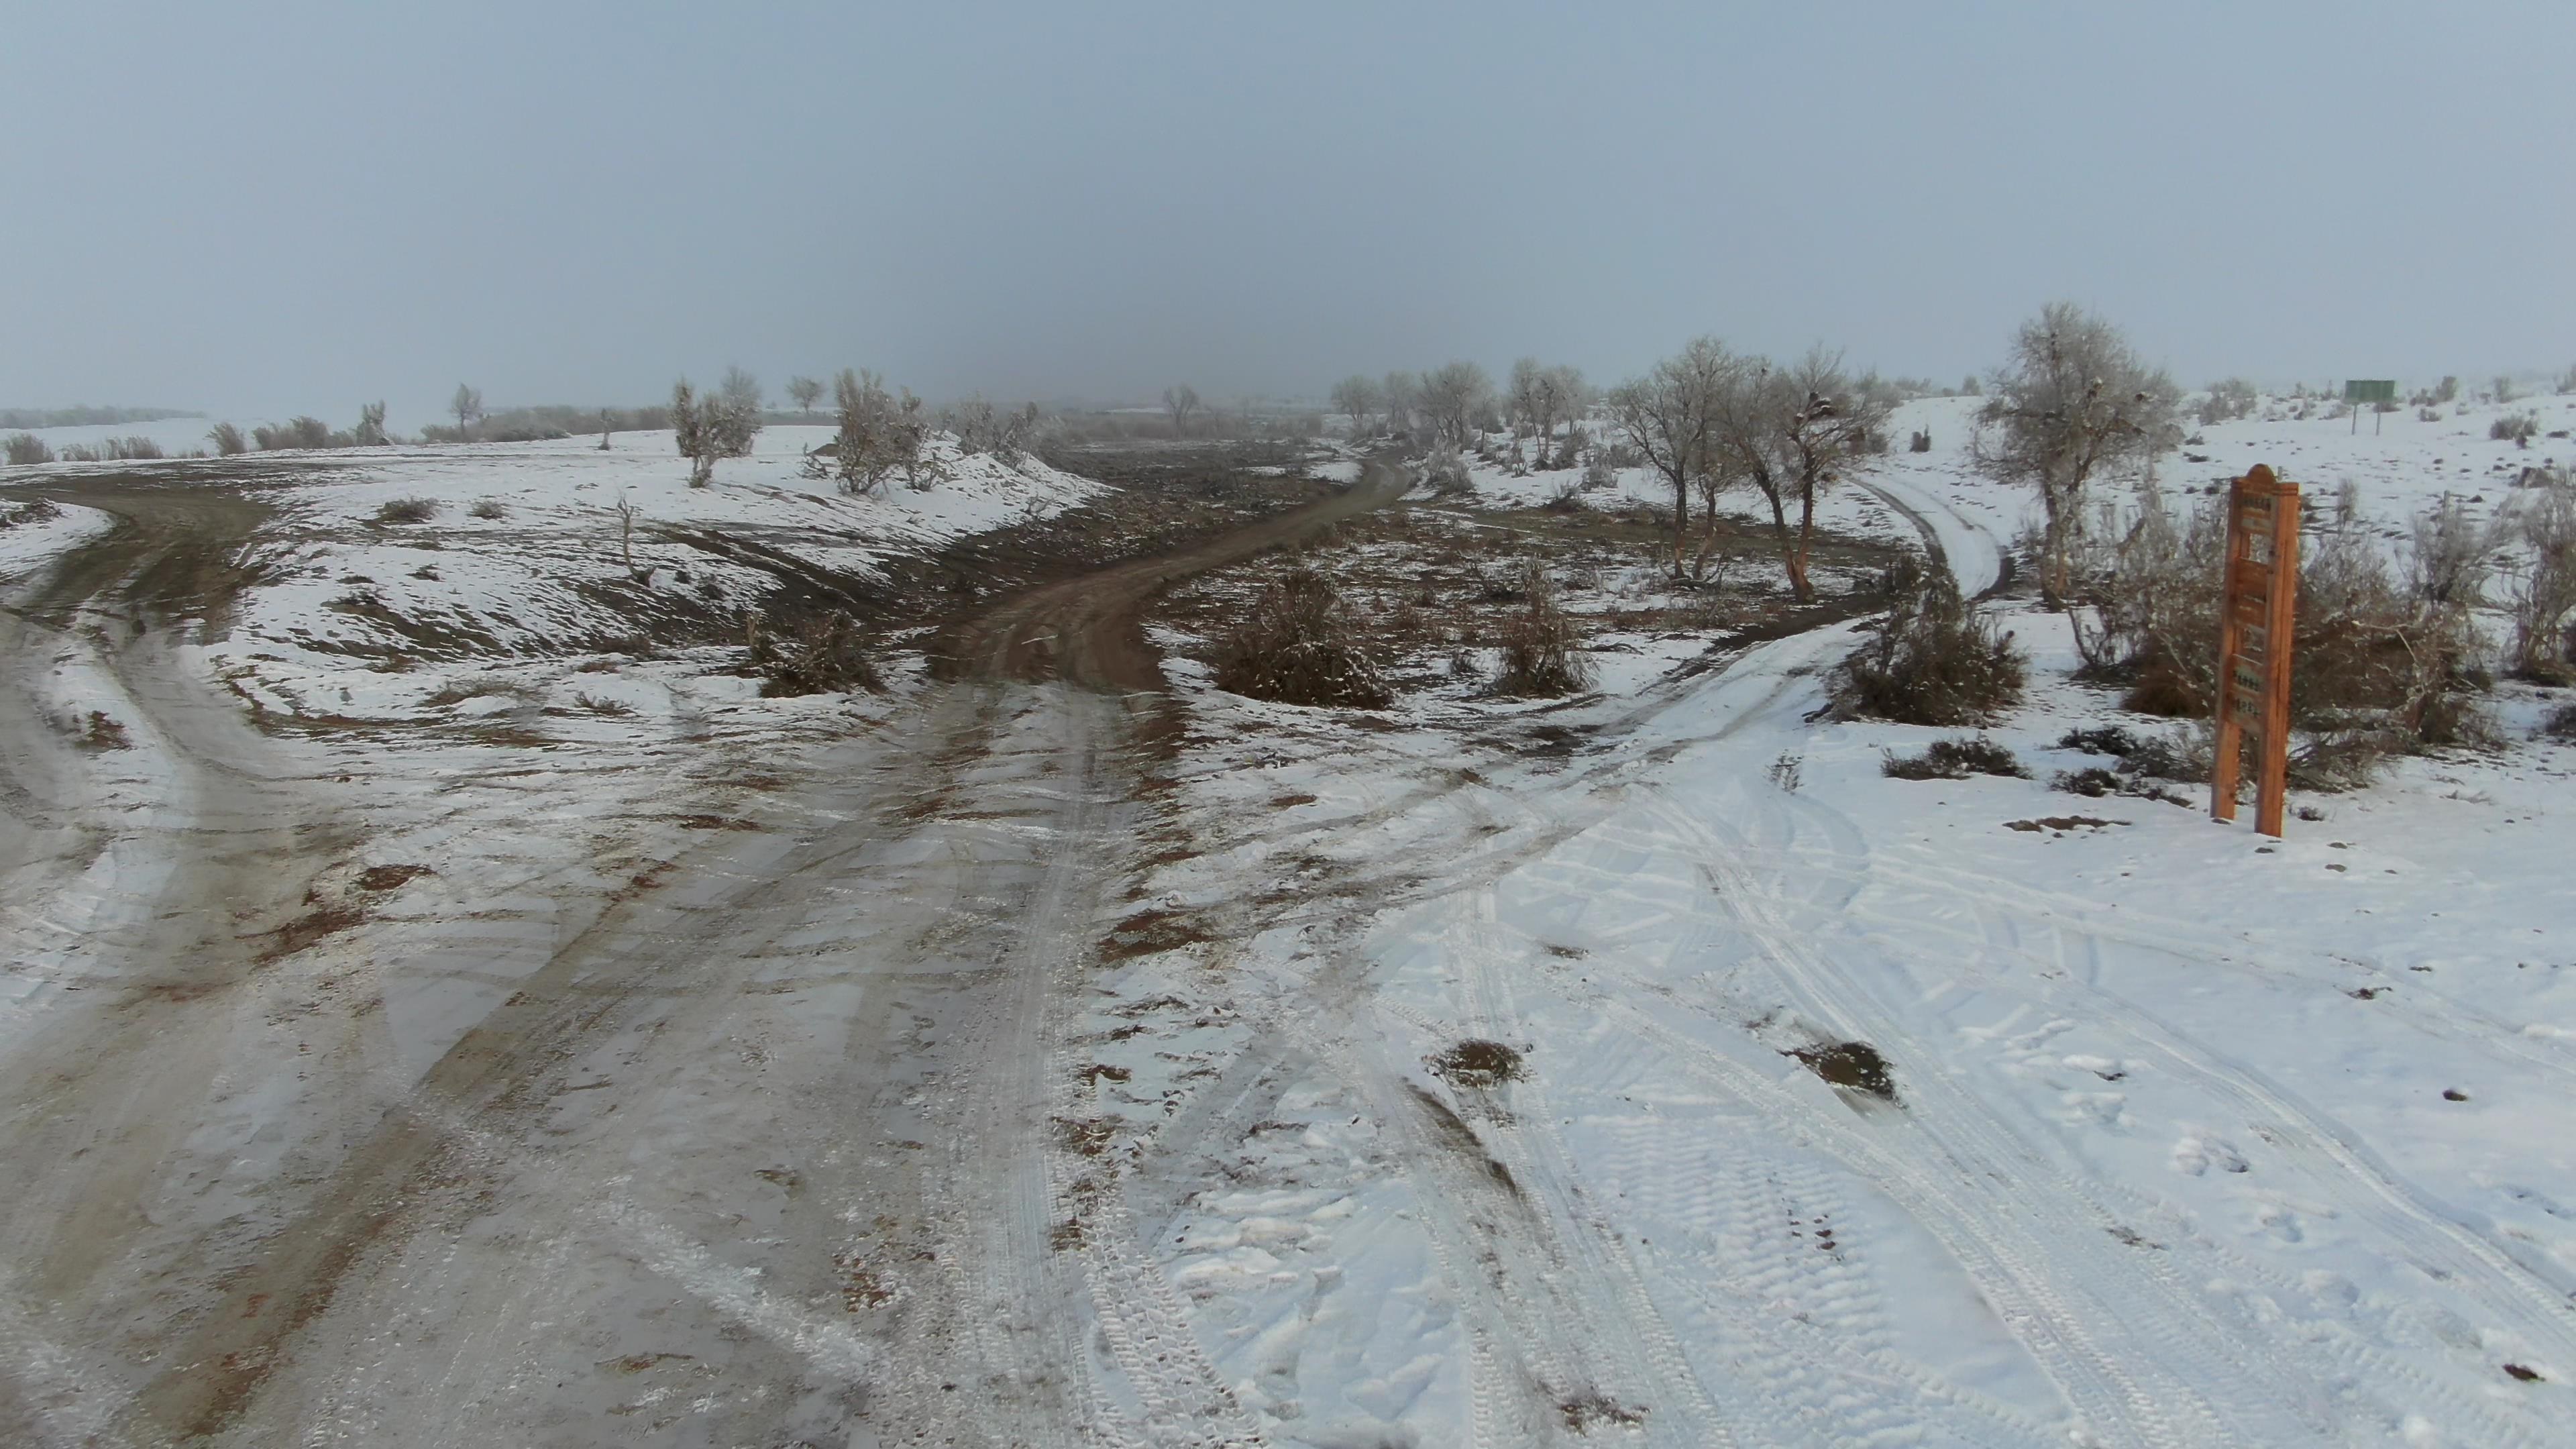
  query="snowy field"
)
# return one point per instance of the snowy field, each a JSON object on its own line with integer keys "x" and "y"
{"x": 1447, "y": 1077}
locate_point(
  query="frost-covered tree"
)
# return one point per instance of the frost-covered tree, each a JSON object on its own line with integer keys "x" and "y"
{"x": 805, "y": 391}
{"x": 1182, "y": 402}
{"x": 2072, "y": 401}
{"x": 1790, "y": 433}
{"x": 371, "y": 426}
{"x": 1669, "y": 415}
{"x": 1400, "y": 396}
{"x": 467, "y": 405}
{"x": 1358, "y": 397}
{"x": 1561, "y": 396}
{"x": 1452, "y": 398}
{"x": 720, "y": 424}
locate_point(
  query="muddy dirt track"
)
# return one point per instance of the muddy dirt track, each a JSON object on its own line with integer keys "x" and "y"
{"x": 804, "y": 1061}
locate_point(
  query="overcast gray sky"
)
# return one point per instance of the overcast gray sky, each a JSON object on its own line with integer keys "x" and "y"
{"x": 299, "y": 207}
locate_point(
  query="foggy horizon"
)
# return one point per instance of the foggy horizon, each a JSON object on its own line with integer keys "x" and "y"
{"x": 299, "y": 209}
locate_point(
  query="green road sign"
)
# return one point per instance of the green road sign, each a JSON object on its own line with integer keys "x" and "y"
{"x": 2369, "y": 390}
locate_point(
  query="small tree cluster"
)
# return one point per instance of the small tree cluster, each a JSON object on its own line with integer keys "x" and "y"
{"x": 979, "y": 427}
{"x": 1709, "y": 420}
{"x": 1539, "y": 399}
{"x": 1297, "y": 645}
{"x": 1932, "y": 659}
{"x": 720, "y": 424}
{"x": 879, "y": 436}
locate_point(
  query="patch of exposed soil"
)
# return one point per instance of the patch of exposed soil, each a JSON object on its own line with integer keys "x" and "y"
{"x": 1853, "y": 1064}
{"x": 2061, "y": 823}
{"x": 390, "y": 877}
{"x": 1585, "y": 1412}
{"x": 1478, "y": 1063}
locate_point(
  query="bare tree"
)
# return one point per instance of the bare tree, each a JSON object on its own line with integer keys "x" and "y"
{"x": 467, "y": 405}
{"x": 1452, "y": 398}
{"x": 1521, "y": 400}
{"x": 718, "y": 425}
{"x": 1562, "y": 393}
{"x": 1401, "y": 397}
{"x": 869, "y": 447}
{"x": 1181, "y": 402}
{"x": 2071, "y": 401}
{"x": 1791, "y": 433}
{"x": 806, "y": 392}
{"x": 1669, "y": 415}
{"x": 371, "y": 425}
{"x": 1357, "y": 396}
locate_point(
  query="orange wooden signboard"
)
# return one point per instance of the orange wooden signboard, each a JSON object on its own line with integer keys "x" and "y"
{"x": 2262, "y": 588}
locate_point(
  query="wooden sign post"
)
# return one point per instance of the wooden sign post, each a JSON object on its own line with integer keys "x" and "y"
{"x": 2254, "y": 624}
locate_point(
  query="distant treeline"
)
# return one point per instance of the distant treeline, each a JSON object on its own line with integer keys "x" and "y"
{"x": 81, "y": 415}
{"x": 536, "y": 424}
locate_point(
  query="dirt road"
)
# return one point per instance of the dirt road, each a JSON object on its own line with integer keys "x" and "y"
{"x": 769, "y": 1129}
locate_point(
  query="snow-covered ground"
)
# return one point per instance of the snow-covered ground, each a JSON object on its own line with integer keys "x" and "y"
{"x": 946, "y": 1085}
{"x": 2197, "y": 1137}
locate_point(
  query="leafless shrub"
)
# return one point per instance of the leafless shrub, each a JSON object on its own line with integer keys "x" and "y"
{"x": 1954, "y": 759}
{"x": 2379, "y": 663}
{"x": 1598, "y": 472}
{"x": 408, "y": 510}
{"x": 2544, "y": 598}
{"x": 111, "y": 450}
{"x": 2228, "y": 399}
{"x": 1298, "y": 646}
{"x": 228, "y": 439}
{"x": 981, "y": 428}
{"x": 104, "y": 733}
{"x": 615, "y": 708}
{"x": 720, "y": 424}
{"x": 2561, "y": 724}
{"x": 1932, "y": 658}
{"x": 26, "y": 450}
{"x": 34, "y": 510}
{"x": 879, "y": 436}
{"x": 2515, "y": 428}
{"x": 299, "y": 432}
{"x": 1541, "y": 650}
{"x": 489, "y": 508}
{"x": 823, "y": 656}
{"x": 1444, "y": 472}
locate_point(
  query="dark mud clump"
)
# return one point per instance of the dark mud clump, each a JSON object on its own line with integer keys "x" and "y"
{"x": 1582, "y": 1412}
{"x": 1853, "y": 1064}
{"x": 390, "y": 877}
{"x": 1478, "y": 1063}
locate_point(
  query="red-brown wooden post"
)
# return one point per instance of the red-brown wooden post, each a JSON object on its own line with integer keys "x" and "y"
{"x": 2259, "y": 592}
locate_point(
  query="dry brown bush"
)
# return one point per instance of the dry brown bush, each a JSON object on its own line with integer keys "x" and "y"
{"x": 1298, "y": 646}
{"x": 823, "y": 656}
{"x": 2380, "y": 662}
{"x": 1541, "y": 647}
{"x": 1932, "y": 659}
